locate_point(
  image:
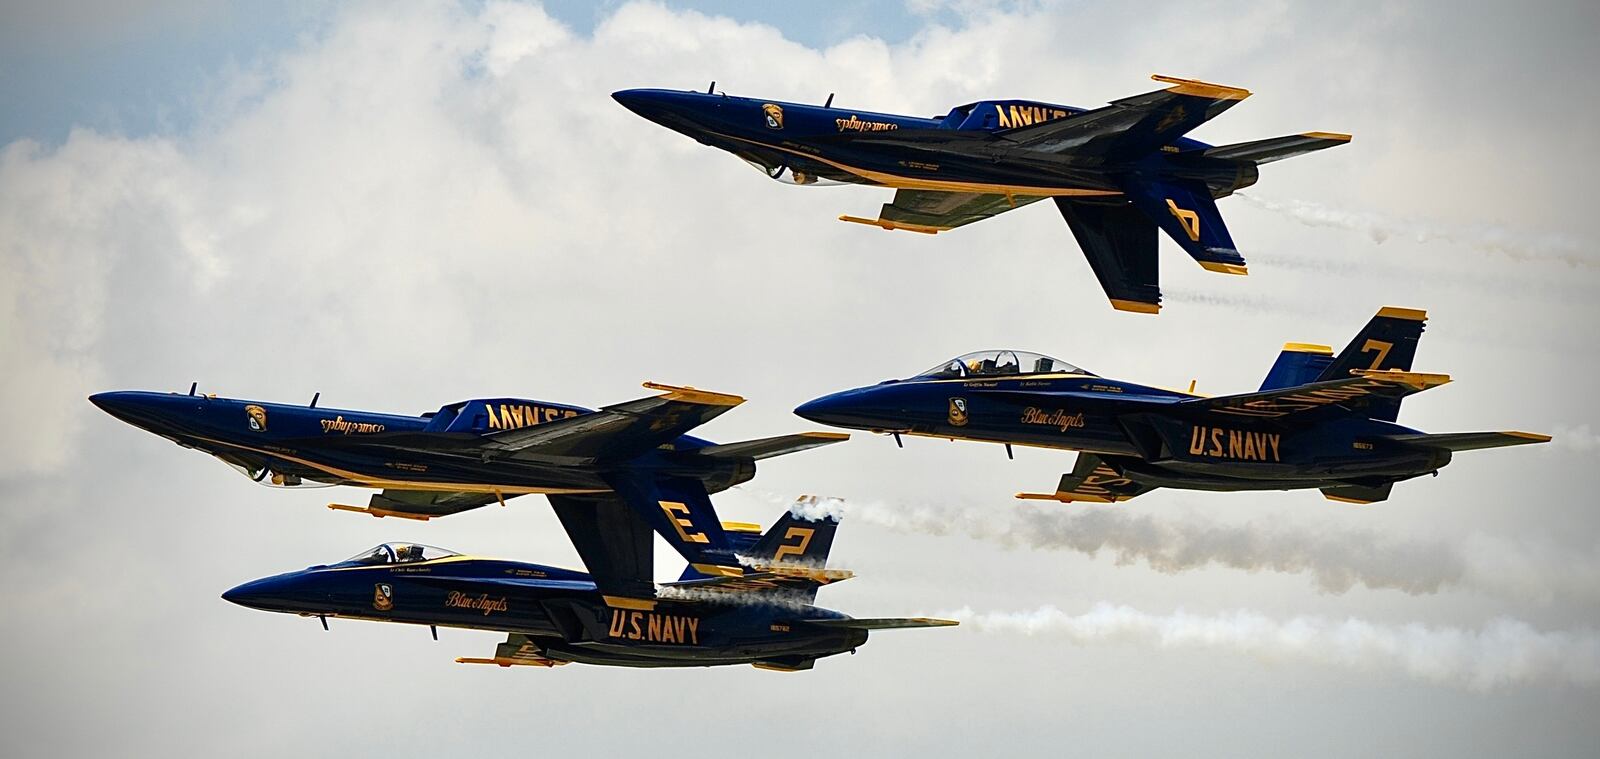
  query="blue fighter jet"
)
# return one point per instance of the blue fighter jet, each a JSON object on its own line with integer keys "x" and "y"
{"x": 1116, "y": 174}
{"x": 611, "y": 475}
{"x": 765, "y": 617}
{"x": 1318, "y": 421}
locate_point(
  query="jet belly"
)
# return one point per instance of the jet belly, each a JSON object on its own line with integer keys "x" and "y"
{"x": 697, "y": 634}
{"x": 1274, "y": 454}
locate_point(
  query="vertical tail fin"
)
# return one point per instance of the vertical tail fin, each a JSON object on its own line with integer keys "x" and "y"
{"x": 1185, "y": 210}
{"x": 1388, "y": 342}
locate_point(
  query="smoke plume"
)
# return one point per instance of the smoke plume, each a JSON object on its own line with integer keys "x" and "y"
{"x": 1502, "y": 653}
{"x": 1335, "y": 558}
{"x": 1514, "y": 244}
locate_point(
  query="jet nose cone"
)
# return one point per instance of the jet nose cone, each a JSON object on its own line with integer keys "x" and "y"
{"x": 836, "y": 409}
{"x": 638, "y": 101}
{"x": 115, "y": 404}
{"x": 276, "y": 593}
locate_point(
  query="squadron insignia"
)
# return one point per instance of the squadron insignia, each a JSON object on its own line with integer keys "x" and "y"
{"x": 257, "y": 418}
{"x": 774, "y": 115}
{"x": 382, "y": 597}
{"x": 958, "y": 412}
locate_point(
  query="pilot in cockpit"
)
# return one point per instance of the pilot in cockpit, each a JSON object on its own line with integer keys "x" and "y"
{"x": 410, "y": 553}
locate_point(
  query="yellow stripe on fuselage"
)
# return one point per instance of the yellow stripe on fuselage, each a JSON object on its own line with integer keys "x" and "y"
{"x": 939, "y": 185}
{"x": 381, "y": 482}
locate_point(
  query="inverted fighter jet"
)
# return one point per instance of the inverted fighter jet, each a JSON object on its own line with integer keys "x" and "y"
{"x": 556, "y": 616}
{"x": 1318, "y": 421}
{"x": 1116, "y": 174}
{"x": 611, "y": 475}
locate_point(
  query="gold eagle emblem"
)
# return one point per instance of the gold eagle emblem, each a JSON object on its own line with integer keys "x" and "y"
{"x": 958, "y": 412}
{"x": 257, "y": 418}
{"x": 382, "y": 597}
{"x": 774, "y": 114}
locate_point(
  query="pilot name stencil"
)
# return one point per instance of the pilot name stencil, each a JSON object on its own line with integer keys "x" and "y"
{"x": 655, "y": 628}
{"x": 1058, "y": 418}
{"x": 855, "y": 124}
{"x": 346, "y": 427}
{"x": 514, "y": 416}
{"x": 1243, "y": 445}
{"x": 481, "y": 602}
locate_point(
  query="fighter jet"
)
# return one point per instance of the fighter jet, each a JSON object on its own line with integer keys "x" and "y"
{"x": 1318, "y": 421}
{"x": 1116, "y": 174}
{"x": 611, "y": 475}
{"x": 556, "y": 616}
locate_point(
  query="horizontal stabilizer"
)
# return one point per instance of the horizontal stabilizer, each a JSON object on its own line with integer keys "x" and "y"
{"x": 773, "y": 446}
{"x": 1470, "y": 441}
{"x": 1132, "y": 126}
{"x": 1358, "y": 393}
{"x": 884, "y": 623}
{"x": 1358, "y": 493}
{"x": 1277, "y": 148}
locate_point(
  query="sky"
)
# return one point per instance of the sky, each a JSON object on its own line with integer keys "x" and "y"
{"x": 403, "y": 206}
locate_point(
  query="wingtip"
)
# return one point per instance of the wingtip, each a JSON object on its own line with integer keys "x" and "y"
{"x": 1532, "y": 437}
{"x": 1135, "y": 306}
{"x": 1335, "y": 136}
{"x": 1225, "y": 268}
{"x": 688, "y": 394}
{"x": 1198, "y": 88}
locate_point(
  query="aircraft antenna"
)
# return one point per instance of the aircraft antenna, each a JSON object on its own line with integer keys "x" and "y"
{"x": 314, "y": 398}
{"x": 828, "y": 104}
{"x": 192, "y": 386}
{"x": 712, "y": 89}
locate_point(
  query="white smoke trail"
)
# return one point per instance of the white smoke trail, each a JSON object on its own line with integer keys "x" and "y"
{"x": 1579, "y": 439}
{"x": 1335, "y": 558}
{"x": 1514, "y": 244}
{"x": 1501, "y": 653}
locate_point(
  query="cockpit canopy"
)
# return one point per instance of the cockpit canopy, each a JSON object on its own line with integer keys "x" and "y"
{"x": 1000, "y": 363}
{"x": 398, "y": 553}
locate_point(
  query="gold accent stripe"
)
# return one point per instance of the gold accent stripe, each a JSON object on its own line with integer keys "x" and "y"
{"x": 893, "y": 225}
{"x": 1411, "y": 314}
{"x": 1418, "y": 380}
{"x": 694, "y": 395}
{"x": 826, "y": 435}
{"x": 380, "y": 513}
{"x": 623, "y": 602}
{"x": 1308, "y": 348}
{"x": 741, "y": 527}
{"x": 1064, "y": 497}
{"x": 1342, "y": 499}
{"x": 1534, "y": 436}
{"x": 1223, "y": 268}
{"x": 718, "y": 570}
{"x": 940, "y": 185}
{"x": 380, "y": 482}
{"x": 773, "y": 667}
{"x": 1201, "y": 89}
{"x": 1135, "y": 306}
{"x": 1326, "y": 136}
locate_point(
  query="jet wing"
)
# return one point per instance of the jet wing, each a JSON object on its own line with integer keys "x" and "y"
{"x": 1120, "y": 242}
{"x": 932, "y": 212}
{"x": 1341, "y": 395}
{"x": 1130, "y": 126}
{"x": 624, "y": 429}
{"x": 884, "y": 623}
{"x": 421, "y": 505}
{"x": 766, "y": 448}
{"x": 518, "y": 650}
{"x": 1092, "y": 480}
{"x": 615, "y": 543}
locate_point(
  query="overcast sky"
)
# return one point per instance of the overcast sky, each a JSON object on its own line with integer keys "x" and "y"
{"x": 402, "y": 206}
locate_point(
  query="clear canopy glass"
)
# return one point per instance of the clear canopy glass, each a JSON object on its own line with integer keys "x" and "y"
{"x": 1001, "y": 363}
{"x": 398, "y": 553}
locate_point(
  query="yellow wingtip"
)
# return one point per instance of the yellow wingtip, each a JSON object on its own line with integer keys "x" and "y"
{"x": 1135, "y": 306}
{"x": 695, "y": 395}
{"x": 1198, "y": 88}
{"x": 1225, "y": 268}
